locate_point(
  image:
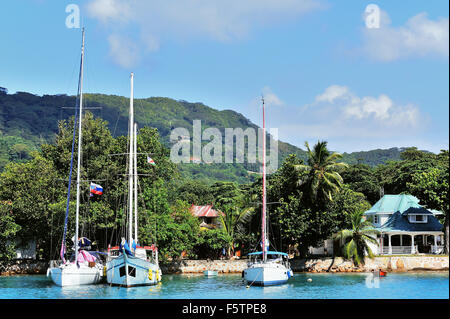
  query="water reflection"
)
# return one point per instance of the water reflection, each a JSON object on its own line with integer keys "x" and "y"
{"x": 231, "y": 286}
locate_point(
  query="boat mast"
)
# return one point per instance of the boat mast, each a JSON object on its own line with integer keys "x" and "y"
{"x": 264, "y": 228}
{"x": 79, "y": 149}
{"x": 130, "y": 173}
{"x": 135, "y": 186}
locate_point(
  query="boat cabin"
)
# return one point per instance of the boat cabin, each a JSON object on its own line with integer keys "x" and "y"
{"x": 149, "y": 253}
{"x": 272, "y": 256}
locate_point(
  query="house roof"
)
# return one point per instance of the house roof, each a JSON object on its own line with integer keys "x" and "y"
{"x": 390, "y": 204}
{"x": 204, "y": 211}
{"x": 400, "y": 207}
{"x": 400, "y": 222}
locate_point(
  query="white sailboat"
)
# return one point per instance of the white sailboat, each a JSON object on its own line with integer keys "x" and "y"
{"x": 85, "y": 268}
{"x": 135, "y": 266}
{"x": 266, "y": 267}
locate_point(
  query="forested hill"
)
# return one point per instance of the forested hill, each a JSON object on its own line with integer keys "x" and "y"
{"x": 28, "y": 120}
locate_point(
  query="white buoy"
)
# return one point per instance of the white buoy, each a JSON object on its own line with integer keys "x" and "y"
{"x": 309, "y": 280}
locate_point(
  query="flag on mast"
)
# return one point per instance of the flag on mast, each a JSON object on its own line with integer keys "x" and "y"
{"x": 150, "y": 161}
{"x": 96, "y": 189}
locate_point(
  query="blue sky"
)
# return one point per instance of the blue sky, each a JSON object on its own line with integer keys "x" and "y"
{"x": 324, "y": 74}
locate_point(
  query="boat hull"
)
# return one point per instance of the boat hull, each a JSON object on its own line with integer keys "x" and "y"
{"x": 210, "y": 273}
{"x": 72, "y": 275}
{"x": 129, "y": 271}
{"x": 267, "y": 274}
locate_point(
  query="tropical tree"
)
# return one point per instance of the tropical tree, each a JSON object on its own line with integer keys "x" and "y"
{"x": 432, "y": 188}
{"x": 8, "y": 229}
{"x": 361, "y": 178}
{"x": 394, "y": 176}
{"x": 355, "y": 242}
{"x": 321, "y": 178}
{"x": 232, "y": 221}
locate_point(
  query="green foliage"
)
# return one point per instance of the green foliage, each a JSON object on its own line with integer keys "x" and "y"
{"x": 361, "y": 178}
{"x": 8, "y": 230}
{"x": 374, "y": 157}
{"x": 176, "y": 232}
{"x": 431, "y": 186}
{"x": 210, "y": 243}
{"x": 321, "y": 177}
{"x": 394, "y": 176}
{"x": 192, "y": 191}
{"x": 14, "y": 149}
{"x": 32, "y": 188}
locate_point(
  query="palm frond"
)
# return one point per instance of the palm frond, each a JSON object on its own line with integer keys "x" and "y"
{"x": 369, "y": 239}
{"x": 350, "y": 249}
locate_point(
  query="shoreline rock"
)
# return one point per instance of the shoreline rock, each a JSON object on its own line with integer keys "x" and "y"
{"x": 312, "y": 265}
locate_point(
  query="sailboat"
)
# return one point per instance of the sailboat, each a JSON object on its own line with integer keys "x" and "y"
{"x": 266, "y": 267}
{"x": 129, "y": 264}
{"x": 86, "y": 267}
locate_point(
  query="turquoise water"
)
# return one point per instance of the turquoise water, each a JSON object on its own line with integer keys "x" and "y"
{"x": 323, "y": 286}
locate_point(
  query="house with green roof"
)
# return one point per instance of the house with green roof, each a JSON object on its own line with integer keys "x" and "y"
{"x": 405, "y": 226}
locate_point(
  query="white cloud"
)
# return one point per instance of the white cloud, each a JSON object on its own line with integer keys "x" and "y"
{"x": 123, "y": 51}
{"x": 110, "y": 11}
{"x": 350, "y": 122}
{"x": 270, "y": 98}
{"x": 182, "y": 20}
{"x": 380, "y": 110}
{"x": 331, "y": 93}
{"x": 419, "y": 37}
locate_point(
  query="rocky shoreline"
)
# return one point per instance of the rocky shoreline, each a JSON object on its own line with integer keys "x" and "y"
{"x": 316, "y": 265}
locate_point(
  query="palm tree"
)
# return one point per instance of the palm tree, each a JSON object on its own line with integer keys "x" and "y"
{"x": 354, "y": 242}
{"x": 236, "y": 208}
{"x": 320, "y": 176}
{"x": 232, "y": 219}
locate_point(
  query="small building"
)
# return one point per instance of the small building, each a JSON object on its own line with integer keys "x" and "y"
{"x": 405, "y": 226}
{"x": 207, "y": 214}
{"x": 324, "y": 249}
{"x": 24, "y": 249}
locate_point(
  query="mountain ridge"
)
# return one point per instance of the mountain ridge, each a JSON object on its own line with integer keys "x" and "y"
{"x": 30, "y": 120}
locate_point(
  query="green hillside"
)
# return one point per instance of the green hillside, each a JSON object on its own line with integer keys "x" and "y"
{"x": 28, "y": 120}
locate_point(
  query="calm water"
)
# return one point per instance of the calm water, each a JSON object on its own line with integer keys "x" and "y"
{"x": 323, "y": 286}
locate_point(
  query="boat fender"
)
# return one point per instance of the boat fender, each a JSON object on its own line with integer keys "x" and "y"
{"x": 48, "y": 272}
{"x": 104, "y": 271}
{"x": 158, "y": 276}
{"x": 150, "y": 275}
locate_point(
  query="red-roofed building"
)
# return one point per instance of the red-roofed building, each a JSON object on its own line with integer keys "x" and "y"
{"x": 207, "y": 214}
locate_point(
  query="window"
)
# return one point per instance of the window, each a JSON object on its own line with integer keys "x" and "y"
{"x": 376, "y": 220}
{"x": 418, "y": 219}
